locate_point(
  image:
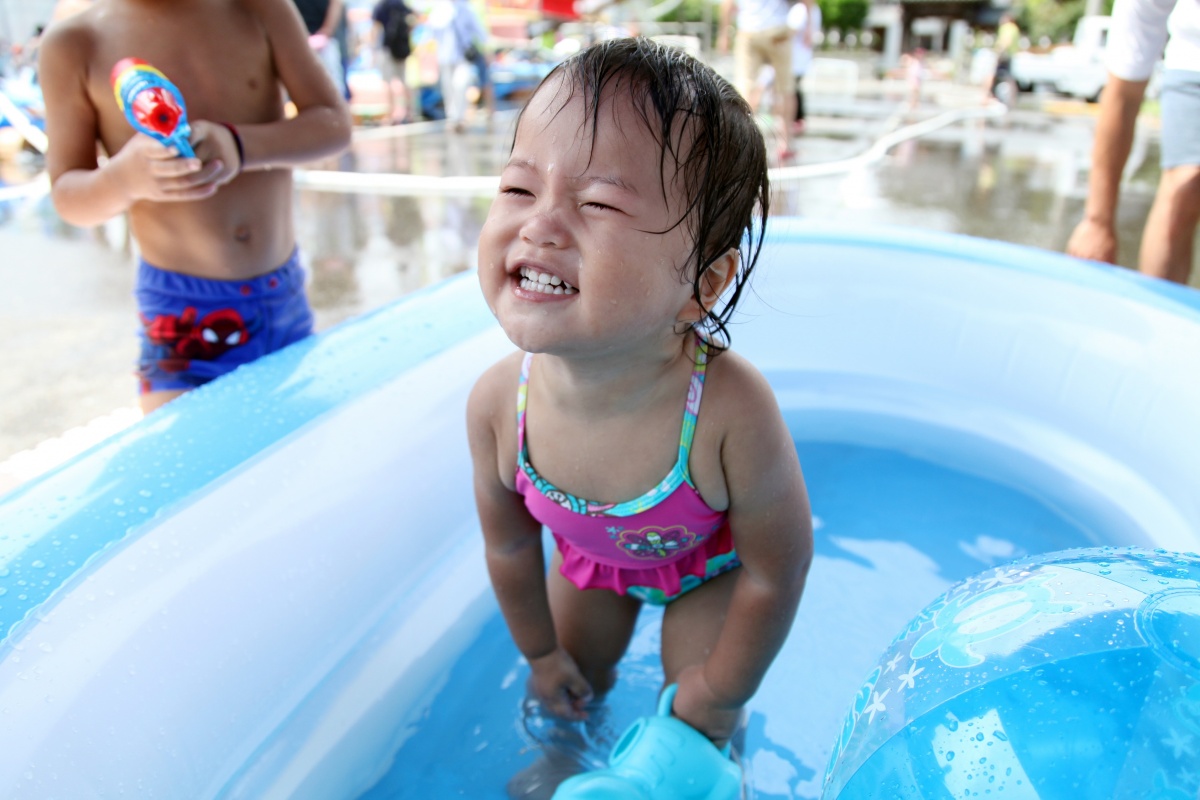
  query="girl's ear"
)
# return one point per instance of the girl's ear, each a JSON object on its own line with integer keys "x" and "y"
{"x": 713, "y": 283}
{"x": 718, "y": 277}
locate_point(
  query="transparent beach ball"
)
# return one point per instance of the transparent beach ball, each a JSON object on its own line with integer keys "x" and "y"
{"x": 1073, "y": 674}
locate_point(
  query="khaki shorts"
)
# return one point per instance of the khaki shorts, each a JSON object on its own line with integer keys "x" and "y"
{"x": 390, "y": 68}
{"x": 754, "y": 49}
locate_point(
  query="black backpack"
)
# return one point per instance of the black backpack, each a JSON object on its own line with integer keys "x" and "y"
{"x": 397, "y": 36}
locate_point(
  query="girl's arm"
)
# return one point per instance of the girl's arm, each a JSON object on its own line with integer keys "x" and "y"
{"x": 513, "y": 546}
{"x": 322, "y": 123}
{"x": 772, "y": 530}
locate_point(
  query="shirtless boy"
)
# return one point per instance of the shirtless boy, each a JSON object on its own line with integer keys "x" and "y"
{"x": 219, "y": 281}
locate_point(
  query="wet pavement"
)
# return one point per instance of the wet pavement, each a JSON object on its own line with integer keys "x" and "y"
{"x": 67, "y": 317}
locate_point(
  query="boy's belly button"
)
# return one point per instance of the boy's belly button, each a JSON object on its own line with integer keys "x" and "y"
{"x": 242, "y": 233}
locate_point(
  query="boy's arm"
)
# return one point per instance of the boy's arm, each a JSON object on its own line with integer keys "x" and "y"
{"x": 772, "y": 530}
{"x": 322, "y": 124}
{"x": 513, "y": 545}
{"x": 85, "y": 192}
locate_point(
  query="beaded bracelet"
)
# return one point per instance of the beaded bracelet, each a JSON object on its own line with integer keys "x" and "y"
{"x": 237, "y": 139}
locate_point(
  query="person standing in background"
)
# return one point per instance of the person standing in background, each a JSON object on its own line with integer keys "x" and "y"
{"x": 761, "y": 38}
{"x": 342, "y": 35}
{"x": 1135, "y": 42}
{"x": 459, "y": 35}
{"x": 804, "y": 20}
{"x": 321, "y": 18}
{"x": 392, "y": 25}
{"x": 1008, "y": 40}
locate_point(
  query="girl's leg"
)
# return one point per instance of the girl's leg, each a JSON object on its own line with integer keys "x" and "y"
{"x": 691, "y": 626}
{"x": 593, "y": 625}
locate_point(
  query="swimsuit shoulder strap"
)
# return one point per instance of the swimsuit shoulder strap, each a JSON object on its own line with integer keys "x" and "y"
{"x": 692, "y": 409}
{"x": 522, "y": 397}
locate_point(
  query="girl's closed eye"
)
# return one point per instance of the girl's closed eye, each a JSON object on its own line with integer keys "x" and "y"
{"x": 516, "y": 191}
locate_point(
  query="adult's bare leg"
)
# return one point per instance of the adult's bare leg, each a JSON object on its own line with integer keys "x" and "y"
{"x": 1170, "y": 232}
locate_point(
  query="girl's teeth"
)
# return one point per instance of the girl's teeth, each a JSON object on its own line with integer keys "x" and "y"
{"x": 534, "y": 281}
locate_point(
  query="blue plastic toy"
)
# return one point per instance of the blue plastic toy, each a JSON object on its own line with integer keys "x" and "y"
{"x": 1073, "y": 674}
{"x": 660, "y": 758}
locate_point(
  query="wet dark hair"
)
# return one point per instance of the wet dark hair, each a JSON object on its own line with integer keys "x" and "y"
{"x": 708, "y": 132}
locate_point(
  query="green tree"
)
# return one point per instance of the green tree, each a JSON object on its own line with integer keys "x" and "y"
{"x": 845, "y": 15}
{"x": 1053, "y": 19}
{"x": 688, "y": 11}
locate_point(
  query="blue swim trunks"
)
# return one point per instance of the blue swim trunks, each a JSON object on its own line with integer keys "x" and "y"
{"x": 196, "y": 329}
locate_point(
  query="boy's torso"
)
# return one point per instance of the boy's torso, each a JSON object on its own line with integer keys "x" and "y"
{"x": 217, "y": 53}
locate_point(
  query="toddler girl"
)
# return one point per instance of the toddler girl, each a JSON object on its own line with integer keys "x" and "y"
{"x": 629, "y": 216}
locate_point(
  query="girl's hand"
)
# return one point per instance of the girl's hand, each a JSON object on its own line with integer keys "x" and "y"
{"x": 559, "y": 686}
{"x": 698, "y": 706}
{"x": 149, "y": 170}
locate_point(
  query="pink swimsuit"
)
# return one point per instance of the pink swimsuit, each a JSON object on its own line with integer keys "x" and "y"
{"x": 655, "y": 547}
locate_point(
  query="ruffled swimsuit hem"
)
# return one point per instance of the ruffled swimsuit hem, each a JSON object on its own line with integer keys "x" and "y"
{"x": 586, "y": 572}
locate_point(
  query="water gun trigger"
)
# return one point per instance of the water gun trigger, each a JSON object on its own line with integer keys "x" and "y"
{"x": 152, "y": 104}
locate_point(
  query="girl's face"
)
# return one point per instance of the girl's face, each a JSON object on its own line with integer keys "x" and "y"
{"x": 573, "y": 259}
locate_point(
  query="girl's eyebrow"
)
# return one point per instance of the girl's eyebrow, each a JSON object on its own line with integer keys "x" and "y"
{"x": 521, "y": 163}
{"x": 586, "y": 181}
{"x": 580, "y": 182}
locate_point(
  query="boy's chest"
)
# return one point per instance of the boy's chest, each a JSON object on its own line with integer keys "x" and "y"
{"x": 214, "y": 51}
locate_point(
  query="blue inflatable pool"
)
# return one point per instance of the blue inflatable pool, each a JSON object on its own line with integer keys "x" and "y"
{"x": 275, "y": 587}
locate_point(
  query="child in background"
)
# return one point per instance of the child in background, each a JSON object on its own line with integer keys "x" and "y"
{"x": 628, "y": 220}
{"x": 804, "y": 20}
{"x": 219, "y": 280}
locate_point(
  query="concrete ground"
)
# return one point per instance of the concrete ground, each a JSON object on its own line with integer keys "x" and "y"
{"x": 68, "y": 320}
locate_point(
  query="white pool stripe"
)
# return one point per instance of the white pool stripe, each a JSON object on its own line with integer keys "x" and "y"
{"x": 43, "y": 457}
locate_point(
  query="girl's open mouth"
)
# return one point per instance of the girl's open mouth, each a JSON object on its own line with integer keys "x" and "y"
{"x": 544, "y": 282}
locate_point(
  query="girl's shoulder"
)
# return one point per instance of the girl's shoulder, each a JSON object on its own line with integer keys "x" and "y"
{"x": 492, "y": 417}
{"x": 496, "y": 389}
{"x": 731, "y": 380}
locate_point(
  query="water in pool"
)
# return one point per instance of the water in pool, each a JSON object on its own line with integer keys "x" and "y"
{"x": 893, "y": 530}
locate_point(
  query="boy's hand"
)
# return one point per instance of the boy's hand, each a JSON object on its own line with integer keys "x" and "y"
{"x": 698, "y": 706}
{"x": 214, "y": 143}
{"x": 152, "y": 171}
{"x": 559, "y": 686}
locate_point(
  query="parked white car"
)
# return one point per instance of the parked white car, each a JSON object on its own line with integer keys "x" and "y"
{"x": 1076, "y": 69}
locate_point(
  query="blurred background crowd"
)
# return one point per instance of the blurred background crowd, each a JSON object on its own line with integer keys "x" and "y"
{"x": 887, "y": 130}
{"x": 1058, "y": 49}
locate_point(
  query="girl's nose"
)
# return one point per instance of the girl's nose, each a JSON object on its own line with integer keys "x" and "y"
{"x": 544, "y": 229}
